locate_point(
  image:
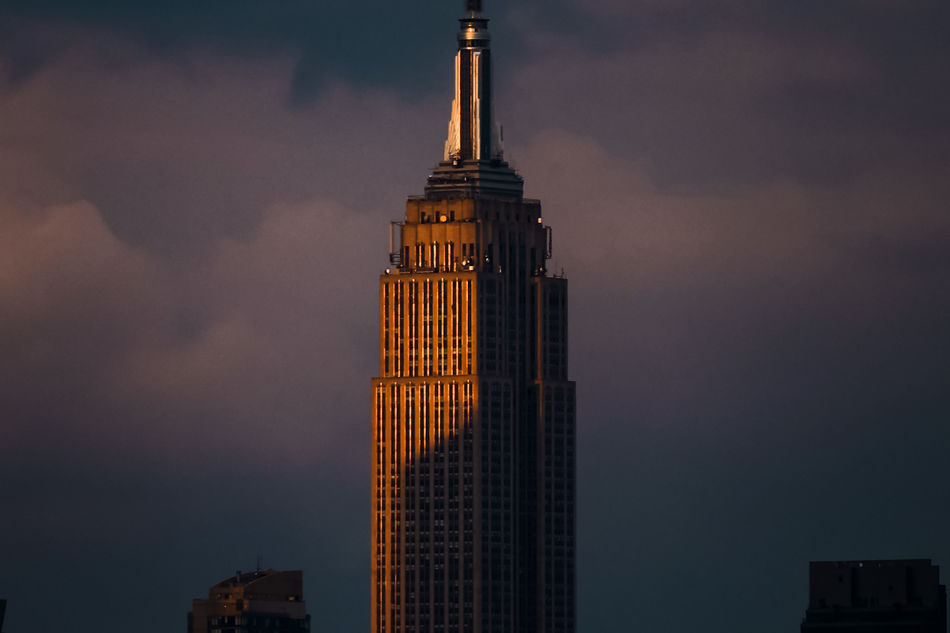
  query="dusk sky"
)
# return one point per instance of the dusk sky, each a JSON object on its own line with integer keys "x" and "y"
{"x": 749, "y": 199}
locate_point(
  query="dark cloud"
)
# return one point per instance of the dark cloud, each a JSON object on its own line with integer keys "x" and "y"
{"x": 709, "y": 95}
{"x": 749, "y": 204}
{"x": 369, "y": 43}
{"x": 927, "y": 256}
{"x": 175, "y": 155}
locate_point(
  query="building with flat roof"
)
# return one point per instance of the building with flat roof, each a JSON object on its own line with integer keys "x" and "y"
{"x": 880, "y": 596}
{"x": 266, "y": 601}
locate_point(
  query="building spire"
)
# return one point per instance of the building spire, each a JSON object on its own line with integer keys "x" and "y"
{"x": 473, "y": 161}
{"x": 472, "y": 135}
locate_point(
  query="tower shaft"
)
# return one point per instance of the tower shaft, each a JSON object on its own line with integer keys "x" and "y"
{"x": 471, "y": 127}
{"x": 473, "y": 412}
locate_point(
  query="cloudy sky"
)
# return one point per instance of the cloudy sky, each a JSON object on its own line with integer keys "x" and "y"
{"x": 750, "y": 200}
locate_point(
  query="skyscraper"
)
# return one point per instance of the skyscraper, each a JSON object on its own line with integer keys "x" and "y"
{"x": 473, "y": 413}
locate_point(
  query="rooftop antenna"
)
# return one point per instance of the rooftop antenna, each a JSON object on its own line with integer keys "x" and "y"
{"x": 260, "y": 561}
{"x": 473, "y": 6}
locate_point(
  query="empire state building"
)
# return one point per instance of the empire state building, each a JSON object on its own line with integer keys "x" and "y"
{"x": 473, "y": 412}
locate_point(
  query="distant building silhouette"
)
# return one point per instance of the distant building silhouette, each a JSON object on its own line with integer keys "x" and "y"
{"x": 880, "y": 596}
{"x": 3, "y": 610}
{"x": 267, "y": 601}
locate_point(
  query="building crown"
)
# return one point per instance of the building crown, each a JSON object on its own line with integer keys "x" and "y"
{"x": 472, "y": 162}
{"x": 472, "y": 131}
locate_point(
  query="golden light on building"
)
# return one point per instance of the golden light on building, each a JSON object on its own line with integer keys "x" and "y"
{"x": 473, "y": 414}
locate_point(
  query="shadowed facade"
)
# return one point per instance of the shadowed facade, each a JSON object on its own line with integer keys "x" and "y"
{"x": 262, "y": 601}
{"x": 473, "y": 414}
{"x": 875, "y": 596}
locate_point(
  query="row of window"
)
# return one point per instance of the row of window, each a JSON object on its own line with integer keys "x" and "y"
{"x": 424, "y": 328}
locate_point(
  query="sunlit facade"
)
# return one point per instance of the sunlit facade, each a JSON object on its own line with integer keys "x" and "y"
{"x": 473, "y": 412}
